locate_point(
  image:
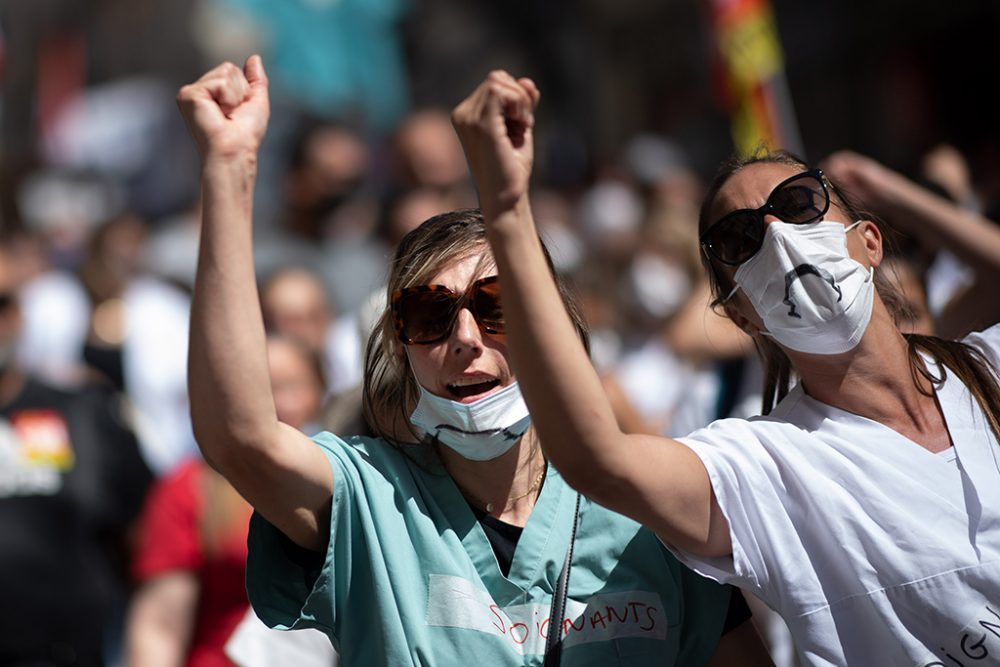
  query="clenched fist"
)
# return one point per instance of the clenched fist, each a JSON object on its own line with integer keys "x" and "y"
{"x": 495, "y": 125}
{"x": 226, "y": 110}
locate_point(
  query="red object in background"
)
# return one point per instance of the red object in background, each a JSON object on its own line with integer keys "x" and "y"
{"x": 62, "y": 71}
{"x": 171, "y": 539}
{"x": 750, "y": 75}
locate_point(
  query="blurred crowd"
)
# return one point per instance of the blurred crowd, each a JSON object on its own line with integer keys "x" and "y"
{"x": 121, "y": 546}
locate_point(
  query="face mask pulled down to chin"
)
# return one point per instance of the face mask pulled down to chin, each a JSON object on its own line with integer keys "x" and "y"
{"x": 812, "y": 296}
{"x": 480, "y": 431}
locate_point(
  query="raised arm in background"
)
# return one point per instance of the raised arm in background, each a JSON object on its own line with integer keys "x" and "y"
{"x": 161, "y": 621}
{"x": 936, "y": 223}
{"x": 657, "y": 481}
{"x": 275, "y": 467}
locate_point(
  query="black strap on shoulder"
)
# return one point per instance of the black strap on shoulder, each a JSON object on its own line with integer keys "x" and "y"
{"x": 553, "y": 643}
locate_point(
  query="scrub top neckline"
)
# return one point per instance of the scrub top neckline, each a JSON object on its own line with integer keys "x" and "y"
{"x": 550, "y": 520}
{"x": 978, "y": 462}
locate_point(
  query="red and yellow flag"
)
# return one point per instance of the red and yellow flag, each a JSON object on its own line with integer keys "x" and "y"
{"x": 751, "y": 67}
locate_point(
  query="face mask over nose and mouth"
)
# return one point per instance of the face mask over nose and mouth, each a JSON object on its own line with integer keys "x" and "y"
{"x": 812, "y": 296}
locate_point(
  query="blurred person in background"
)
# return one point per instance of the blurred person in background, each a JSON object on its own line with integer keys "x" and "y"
{"x": 137, "y": 337}
{"x": 295, "y": 304}
{"x": 328, "y": 214}
{"x": 55, "y": 312}
{"x": 427, "y": 154}
{"x": 937, "y": 224}
{"x": 62, "y": 210}
{"x": 191, "y": 559}
{"x": 71, "y": 482}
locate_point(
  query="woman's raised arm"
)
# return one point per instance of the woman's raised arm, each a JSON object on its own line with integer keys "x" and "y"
{"x": 275, "y": 467}
{"x": 657, "y": 481}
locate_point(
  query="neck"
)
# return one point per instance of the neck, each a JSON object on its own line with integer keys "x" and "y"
{"x": 874, "y": 380}
{"x": 506, "y": 487}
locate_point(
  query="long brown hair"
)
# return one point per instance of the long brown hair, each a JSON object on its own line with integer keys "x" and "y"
{"x": 390, "y": 390}
{"x": 965, "y": 361}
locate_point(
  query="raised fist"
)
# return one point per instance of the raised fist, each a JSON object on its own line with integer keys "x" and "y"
{"x": 495, "y": 125}
{"x": 226, "y": 110}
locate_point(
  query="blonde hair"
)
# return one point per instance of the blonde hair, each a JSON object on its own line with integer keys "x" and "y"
{"x": 390, "y": 390}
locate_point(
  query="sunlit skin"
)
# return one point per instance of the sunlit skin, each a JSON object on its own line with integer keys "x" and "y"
{"x": 873, "y": 379}
{"x": 469, "y": 353}
{"x": 750, "y": 188}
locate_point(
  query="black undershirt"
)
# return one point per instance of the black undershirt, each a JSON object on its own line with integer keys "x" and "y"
{"x": 503, "y": 538}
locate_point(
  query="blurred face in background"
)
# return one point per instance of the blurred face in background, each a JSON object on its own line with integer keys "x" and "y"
{"x": 295, "y": 382}
{"x": 428, "y": 150}
{"x": 294, "y": 304}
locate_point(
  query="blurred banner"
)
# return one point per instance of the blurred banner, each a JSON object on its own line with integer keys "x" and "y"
{"x": 750, "y": 67}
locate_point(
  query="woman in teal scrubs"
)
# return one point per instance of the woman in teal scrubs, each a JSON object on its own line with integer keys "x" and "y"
{"x": 440, "y": 541}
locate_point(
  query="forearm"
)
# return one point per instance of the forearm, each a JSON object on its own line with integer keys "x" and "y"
{"x": 657, "y": 481}
{"x": 161, "y": 621}
{"x": 569, "y": 408}
{"x": 229, "y": 385}
{"x": 940, "y": 223}
{"x": 698, "y": 333}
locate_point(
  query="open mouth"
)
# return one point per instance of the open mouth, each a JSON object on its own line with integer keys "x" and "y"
{"x": 472, "y": 386}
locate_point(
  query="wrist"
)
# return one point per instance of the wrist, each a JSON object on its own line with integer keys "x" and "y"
{"x": 229, "y": 179}
{"x": 508, "y": 218}
{"x": 242, "y": 160}
{"x": 512, "y": 231}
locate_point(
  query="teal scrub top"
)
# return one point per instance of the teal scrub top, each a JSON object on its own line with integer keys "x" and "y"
{"x": 409, "y": 577}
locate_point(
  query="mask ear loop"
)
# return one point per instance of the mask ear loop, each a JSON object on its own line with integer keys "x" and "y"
{"x": 729, "y": 296}
{"x": 871, "y": 269}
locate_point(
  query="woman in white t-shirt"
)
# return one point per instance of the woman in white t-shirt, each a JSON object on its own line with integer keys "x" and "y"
{"x": 865, "y": 508}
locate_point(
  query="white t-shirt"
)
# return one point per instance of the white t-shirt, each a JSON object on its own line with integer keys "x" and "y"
{"x": 873, "y": 549}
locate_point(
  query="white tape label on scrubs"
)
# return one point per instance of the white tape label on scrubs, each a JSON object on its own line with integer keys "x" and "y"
{"x": 458, "y": 603}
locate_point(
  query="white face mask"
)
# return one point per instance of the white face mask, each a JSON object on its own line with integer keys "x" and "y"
{"x": 803, "y": 283}
{"x": 481, "y": 430}
{"x": 659, "y": 285}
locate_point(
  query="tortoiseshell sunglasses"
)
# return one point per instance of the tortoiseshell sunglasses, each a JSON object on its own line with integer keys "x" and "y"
{"x": 425, "y": 314}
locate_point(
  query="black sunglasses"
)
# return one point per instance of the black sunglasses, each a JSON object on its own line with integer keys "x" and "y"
{"x": 737, "y": 236}
{"x": 425, "y": 314}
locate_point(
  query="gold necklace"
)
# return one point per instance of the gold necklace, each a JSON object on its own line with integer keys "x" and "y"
{"x": 513, "y": 499}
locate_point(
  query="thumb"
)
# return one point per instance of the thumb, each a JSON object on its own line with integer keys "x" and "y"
{"x": 253, "y": 69}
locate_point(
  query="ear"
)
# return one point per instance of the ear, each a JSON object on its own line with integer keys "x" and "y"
{"x": 871, "y": 236}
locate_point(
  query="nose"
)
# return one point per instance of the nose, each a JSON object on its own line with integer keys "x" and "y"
{"x": 770, "y": 217}
{"x": 466, "y": 333}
